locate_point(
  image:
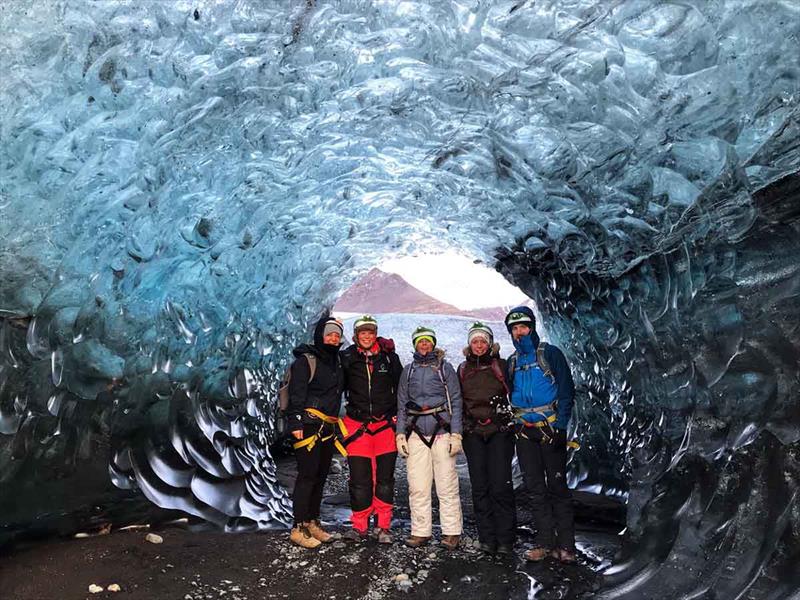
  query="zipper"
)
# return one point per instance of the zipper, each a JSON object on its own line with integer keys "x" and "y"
{"x": 369, "y": 384}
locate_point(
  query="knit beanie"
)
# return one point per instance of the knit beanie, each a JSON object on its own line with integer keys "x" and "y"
{"x": 520, "y": 314}
{"x": 480, "y": 330}
{"x": 423, "y": 333}
{"x": 333, "y": 325}
{"x": 365, "y": 322}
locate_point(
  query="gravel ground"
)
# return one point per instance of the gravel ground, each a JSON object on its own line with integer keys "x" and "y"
{"x": 196, "y": 563}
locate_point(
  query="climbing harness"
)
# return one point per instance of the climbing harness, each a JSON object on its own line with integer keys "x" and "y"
{"x": 365, "y": 430}
{"x": 544, "y": 427}
{"x": 321, "y": 435}
{"x": 415, "y": 411}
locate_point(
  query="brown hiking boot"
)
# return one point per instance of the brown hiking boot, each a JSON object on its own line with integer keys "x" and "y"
{"x": 316, "y": 530}
{"x": 415, "y": 541}
{"x": 382, "y": 536}
{"x": 536, "y": 554}
{"x": 302, "y": 537}
{"x": 450, "y": 541}
{"x": 564, "y": 555}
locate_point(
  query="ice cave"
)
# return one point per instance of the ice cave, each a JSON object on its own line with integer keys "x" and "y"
{"x": 185, "y": 185}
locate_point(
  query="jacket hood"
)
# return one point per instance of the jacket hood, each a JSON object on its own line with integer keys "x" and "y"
{"x": 318, "y": 347}
{"x": 527, "y": 344}
{"x": 319, "y": 330}
{"x": 494, "y": 351}
{"x": 525, "y": 310}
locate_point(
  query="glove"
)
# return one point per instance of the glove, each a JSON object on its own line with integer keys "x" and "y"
{"x": 402, "y": 445}
{"x": 455, "y": 443}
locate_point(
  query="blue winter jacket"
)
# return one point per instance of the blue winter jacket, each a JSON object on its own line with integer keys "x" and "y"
{"x": 529, "y": 387}
{"x": 425, "y": 389}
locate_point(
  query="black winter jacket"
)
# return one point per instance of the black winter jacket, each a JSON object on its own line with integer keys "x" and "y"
{"x": 371, "y": 382}
{"x": 324, "y": 391}
{"x": 486, "y": 407}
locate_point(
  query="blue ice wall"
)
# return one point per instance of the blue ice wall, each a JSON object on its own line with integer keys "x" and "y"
{"x": 185, "y": 184}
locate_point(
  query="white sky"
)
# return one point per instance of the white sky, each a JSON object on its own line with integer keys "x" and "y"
{"x": 456, "y": 280}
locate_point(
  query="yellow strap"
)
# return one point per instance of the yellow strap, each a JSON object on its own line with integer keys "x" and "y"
{"x": 550, "y": 419}
{"x": 309, "y": 441}
{"x": 573, "y": 444}
{"x": 340, "y": 447}
{"x": 322, "y": 416}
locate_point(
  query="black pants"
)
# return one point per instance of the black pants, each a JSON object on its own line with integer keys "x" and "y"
{"x": 312, "y": 471}
{"x": 544, "y": 469}
{"x": 489, "y": 463}
{"x": 364, "y": 485}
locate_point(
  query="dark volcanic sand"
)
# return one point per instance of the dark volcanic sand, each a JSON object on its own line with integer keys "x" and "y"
{"x": 197, "y": 563}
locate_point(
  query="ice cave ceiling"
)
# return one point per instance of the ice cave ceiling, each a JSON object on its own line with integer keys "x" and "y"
{"x": 185, "y": 184}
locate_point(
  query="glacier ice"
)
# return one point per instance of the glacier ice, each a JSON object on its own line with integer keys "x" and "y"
{"x": 185, "y": 184}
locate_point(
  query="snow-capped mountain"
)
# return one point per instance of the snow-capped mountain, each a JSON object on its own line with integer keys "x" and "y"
{"x": 380, "y": 292}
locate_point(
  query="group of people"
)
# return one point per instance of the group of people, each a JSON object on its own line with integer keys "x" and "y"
{"x": 428, "y": 412}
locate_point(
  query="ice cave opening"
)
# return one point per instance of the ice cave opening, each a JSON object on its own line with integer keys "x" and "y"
{"x": 185, "y": 185}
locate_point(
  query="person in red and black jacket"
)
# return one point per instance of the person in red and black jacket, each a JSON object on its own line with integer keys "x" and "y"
{"x": 372, "y": 372}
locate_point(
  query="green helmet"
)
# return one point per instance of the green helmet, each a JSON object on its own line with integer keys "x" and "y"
{"x": 365, "y": 322}
{"x": 478, "y": 329}
{"x": 423, "y": 333}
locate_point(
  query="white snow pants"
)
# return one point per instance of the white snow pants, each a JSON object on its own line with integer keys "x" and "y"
{"x": 426, "y": 465}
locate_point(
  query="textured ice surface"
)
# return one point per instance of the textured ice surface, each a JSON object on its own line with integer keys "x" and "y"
{"x": 185, "y": 184}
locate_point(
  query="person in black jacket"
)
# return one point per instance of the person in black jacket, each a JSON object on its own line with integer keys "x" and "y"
{"x": 372, "y": 372}
{"x": 314, "y": 403}
{"x": 488, "y": 440}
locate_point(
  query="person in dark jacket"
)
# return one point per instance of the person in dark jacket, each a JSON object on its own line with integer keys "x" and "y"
{"x": 542, "y": 394}
{"x": 488, "y": 440}
{"x": 372, "y": 373}
{"x": 429, "y": 412}
{"x": 312, "y": 415}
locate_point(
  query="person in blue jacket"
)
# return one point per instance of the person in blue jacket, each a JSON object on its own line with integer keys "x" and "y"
{"x": 542, "y": 394}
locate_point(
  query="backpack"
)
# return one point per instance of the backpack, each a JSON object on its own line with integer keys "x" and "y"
{"x": 283, "y": 391}
{"x": 540, "y": 360}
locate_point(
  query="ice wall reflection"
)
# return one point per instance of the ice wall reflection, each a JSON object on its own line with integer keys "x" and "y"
{"x": 186, "y": 183}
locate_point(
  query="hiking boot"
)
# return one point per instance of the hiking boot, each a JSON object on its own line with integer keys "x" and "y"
{"x": 415, "y": 541}
{"x": 505, "y": 549}
{"x": 303, "y": 538}
{"x": 318, "y": 532}
{"x": 564, "y": 555}
{"x": 382, "y": 536}
{"x": 536, "y": 554}
{"x": 354, "y": 536}
{"x": 450, "y": 541}
{"x": 487, "y": 548}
